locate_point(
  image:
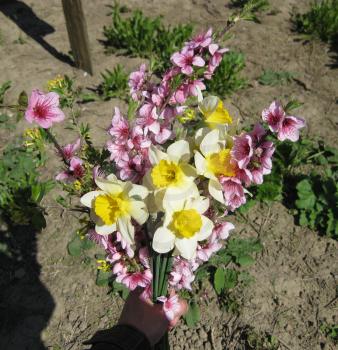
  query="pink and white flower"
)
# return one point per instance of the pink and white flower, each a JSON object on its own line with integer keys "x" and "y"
{"x": 120, "y": 127}
{"x": 69, "y": 150}
{"x": 233, "y": 192}
{"x": 171, "y": 306}
{"x": 242, "y": 150}
{"x": 289, "y": 129}
{"x": 274, "y": 116}
{"x": 186, "y": 60}
{"x": 43, "y": 109}
{"x": 136, "y": 82}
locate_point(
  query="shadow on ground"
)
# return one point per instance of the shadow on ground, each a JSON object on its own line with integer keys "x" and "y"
{"x": 25, "y": 18}
{"x": 25, "y": 304}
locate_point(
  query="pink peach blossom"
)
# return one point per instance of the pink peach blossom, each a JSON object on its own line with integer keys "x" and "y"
{"x": 186, "y": 59}
{"x": 44, "y": 109}
{"x": 120, "y": 127}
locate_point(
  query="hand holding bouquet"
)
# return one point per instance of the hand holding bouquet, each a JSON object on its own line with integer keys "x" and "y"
{"x": 181, "y": 166}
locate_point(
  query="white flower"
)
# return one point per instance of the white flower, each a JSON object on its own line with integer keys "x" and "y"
{"x": 213, "y": 160}
{"x": 171, "y": 178}
{"x": 183, "y": 226}
{"x": 113, "y": 206}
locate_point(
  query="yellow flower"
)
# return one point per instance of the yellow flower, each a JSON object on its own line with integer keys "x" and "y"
{"x": 115, "y": 204}
{"x": 55, "y": 83}
{"x": 214, "y": 112}
{"x": 171, "y": 177}
{"x": 103, "y": 265}
{"x": 188, "y": 115}
{"x": 183, "y": 226}
{"x": 214, "y": 160}
{"x": 77, "y": 185}
{"x": 34, "y": 134}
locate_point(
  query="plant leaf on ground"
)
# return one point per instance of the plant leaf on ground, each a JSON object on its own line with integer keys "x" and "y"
{"x": 273, "y": 78}
{"x": 227, "y": 79}
{"x": 114, "y": 84}
{"x": 3, "y": 88}
{"x": 320, "y": 22}
{"x": 250, "y": 8}
{"x": 145, "y": 37}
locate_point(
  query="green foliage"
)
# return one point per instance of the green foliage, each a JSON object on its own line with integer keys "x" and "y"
{"x": 304, "y": 176}
{"x": 20, "y": 188}
{"x": 227, "y": 79}
{"x": 3, "y": 88}
{"x": 330, "y": 331}
{"x": 273, "y": 78}
{"x": 193, "y": 315}
{"x": 119, "y": 288}
{"x": 259, "y": 340}
{"x": 249, "y": 8}
{"x": 103, "y": 278}
{"x": 320, "y": 22}
{"x": 144, "y": 37}
{"x": 114, "y": 84}
{"x": 79, "y": 244}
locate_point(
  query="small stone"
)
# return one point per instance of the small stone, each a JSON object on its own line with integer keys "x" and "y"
{"x": 72, "y": 316}
{"x": 187, "y": 334}
{"x": 207, "y": 346}
{"x": 202, "y": 334}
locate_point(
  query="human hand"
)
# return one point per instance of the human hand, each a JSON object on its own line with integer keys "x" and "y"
{"x": 149, "y": 318}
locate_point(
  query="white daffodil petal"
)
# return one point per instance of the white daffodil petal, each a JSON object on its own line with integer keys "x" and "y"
{"x": 199, "y": 135}
{"x": 107, "y": 186}
{"x": 138, "y": 190}
{"x": 186, "y": 246}
{"x": 155, "y": 155}
{"x": 200, "y": 163}
{"x": 163, "y": 240}
{"x": 210, "y": 143}
{"x": 138, "y": 212}
{"x": 175, "y": 197}
{"x": 87, "y": 199}
{"x": 105, "y": 230}
{"x": 206, "y": 229}
{"x": 179, "y": 151}
{"x": 201, "y": 204}
{"x": 189, "y": 170}
{"x": 112, "y": 177}
{"x": 208, "y": 105}
{"x": 215, "y": 189}
{"x": 126, "y": 229}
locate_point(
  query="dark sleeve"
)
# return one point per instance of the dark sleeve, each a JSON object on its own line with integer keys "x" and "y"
{"x": 120, "y": 337}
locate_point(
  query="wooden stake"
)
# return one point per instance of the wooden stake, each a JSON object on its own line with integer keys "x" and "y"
{"x": 77, "y": 33}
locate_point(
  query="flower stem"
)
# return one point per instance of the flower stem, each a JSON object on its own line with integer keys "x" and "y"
{"x": 57, "y": 146}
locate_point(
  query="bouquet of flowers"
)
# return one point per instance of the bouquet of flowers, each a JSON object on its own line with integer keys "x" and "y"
{"x": 158, "y": 198}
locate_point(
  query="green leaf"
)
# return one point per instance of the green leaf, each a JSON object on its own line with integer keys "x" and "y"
{"x": 245, "y": 260}
{"x": 75, "y": 246}
{"x": 231, "y": 277}
{"x": 219, "y": 280}
{"x": 103, "y": 278}
{"x": 87, "y": 243}
{"x": 303, "y": 221}
{"x": 293, "y": 104}
{"x": 193, "y": 316}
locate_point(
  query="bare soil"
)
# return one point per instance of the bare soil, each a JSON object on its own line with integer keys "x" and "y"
{"x": 52, "y": 302}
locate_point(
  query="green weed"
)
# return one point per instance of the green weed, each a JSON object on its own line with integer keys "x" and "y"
{"x": 21, "y": 191}
{"x": 145, "y": 37}
{"x": 320, "y": 22}
{"x": 227, "y": 78}
{"x": 330, "y": 331}
{"x": 249, "y": 8}
{"x": 3, "y": 88}
{"x": 254, "y": 340}
{"x": 273, "y": 78}
{"x": 114, "y": 84}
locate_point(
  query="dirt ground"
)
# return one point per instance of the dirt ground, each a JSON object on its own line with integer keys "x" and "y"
{"x": 52, "y": 301}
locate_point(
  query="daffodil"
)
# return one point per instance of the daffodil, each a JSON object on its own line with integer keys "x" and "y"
{"x": 171, "y": 178}
{"x": 115, "y": 204}
{"x": 183, "y": 226}
{"x": 214, "y": 112}
{"x": 214, "y": 160}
